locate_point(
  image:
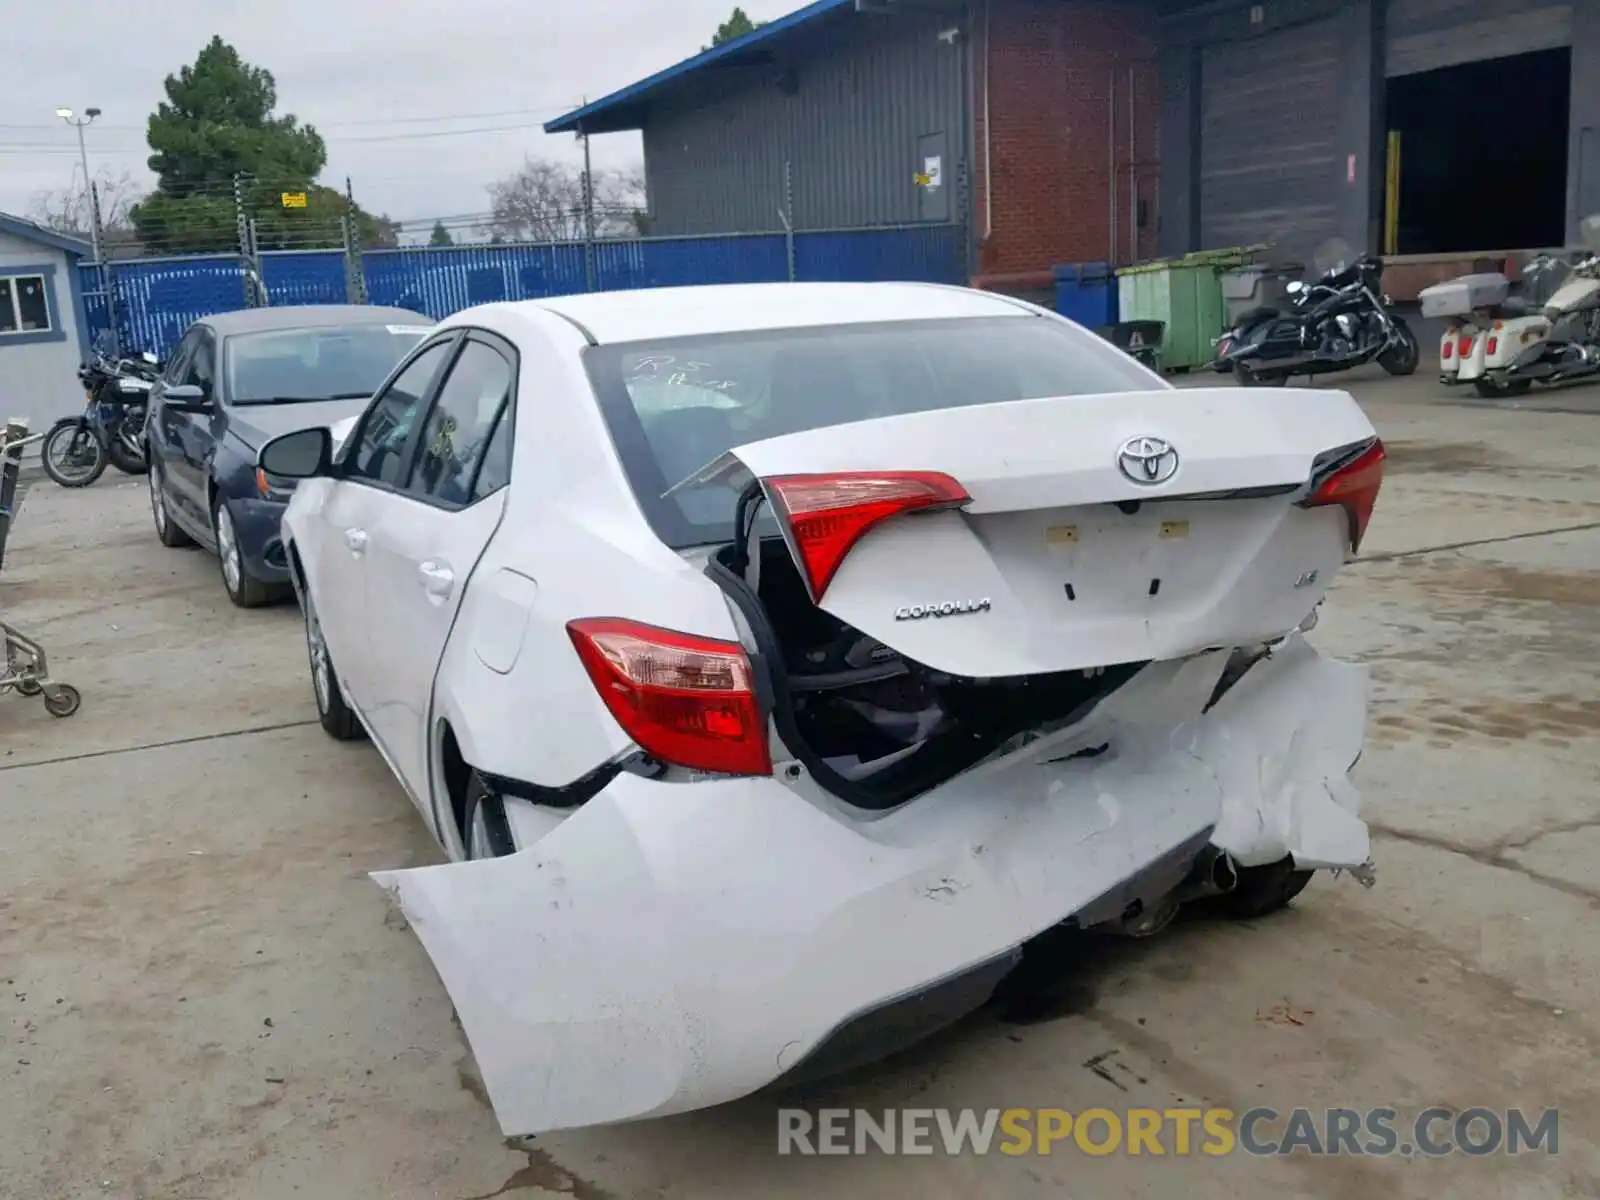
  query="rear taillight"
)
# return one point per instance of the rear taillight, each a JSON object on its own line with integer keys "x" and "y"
{"x": 1446, "y": 348}
{"x": 1465, "y": 347}
{"x": 823, "y": 516}
{"x": 1352, "y": 485}
{"x": 1491, "y": 345}
{"x": 686, "y": 700}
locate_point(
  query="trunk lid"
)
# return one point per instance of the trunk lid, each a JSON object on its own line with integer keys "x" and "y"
{"x": 1100, "y": 529}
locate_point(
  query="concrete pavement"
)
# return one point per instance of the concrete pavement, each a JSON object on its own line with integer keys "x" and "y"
{"x": 203, "y": 995}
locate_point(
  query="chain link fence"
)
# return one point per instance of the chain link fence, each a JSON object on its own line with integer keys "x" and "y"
{"x": 145, "y": 303}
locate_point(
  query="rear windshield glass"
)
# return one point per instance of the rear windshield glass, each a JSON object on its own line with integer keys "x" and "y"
{"x": 327, "y": 362}
{"x": 674, "y": 406}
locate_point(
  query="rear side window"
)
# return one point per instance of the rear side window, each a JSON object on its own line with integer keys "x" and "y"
{"x": 461, "y": 425}
{"x": 674, "y": 406}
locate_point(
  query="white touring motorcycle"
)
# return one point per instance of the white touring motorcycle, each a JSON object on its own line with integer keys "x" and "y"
{"x": 1486, "y": 329}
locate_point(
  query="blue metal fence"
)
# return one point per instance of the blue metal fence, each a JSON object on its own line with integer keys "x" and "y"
{"x": 156, "y": 299}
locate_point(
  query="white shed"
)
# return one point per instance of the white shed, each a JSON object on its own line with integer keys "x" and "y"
{"x": 44, "y": 333}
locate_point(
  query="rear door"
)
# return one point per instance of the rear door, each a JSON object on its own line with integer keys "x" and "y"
{"x": 1097, "y": 530}
{"x": 426, "y": 541}
{"x": 338, "y": 542}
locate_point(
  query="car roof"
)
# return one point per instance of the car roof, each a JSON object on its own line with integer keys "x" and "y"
{"x": 653, "y": 313}
{"x": 308, "y": 316}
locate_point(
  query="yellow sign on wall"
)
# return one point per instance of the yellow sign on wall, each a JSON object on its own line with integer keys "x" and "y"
{"x": 294, "y": 199}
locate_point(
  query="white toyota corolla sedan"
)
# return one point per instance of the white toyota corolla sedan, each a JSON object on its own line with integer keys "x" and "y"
{"x": 773, "y": 662}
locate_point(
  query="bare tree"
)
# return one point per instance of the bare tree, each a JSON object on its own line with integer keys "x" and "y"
{"x": 542, "y": 201}
{"x": 66, "y": 210}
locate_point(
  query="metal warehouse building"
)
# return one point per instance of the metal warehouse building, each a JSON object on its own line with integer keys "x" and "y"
{"x": 1052, "y": 131}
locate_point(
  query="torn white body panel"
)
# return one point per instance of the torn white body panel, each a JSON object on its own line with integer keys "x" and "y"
{"x": 673, "y": 946}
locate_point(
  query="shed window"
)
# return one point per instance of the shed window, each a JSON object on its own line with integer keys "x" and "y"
{"x": 23, "y": 308}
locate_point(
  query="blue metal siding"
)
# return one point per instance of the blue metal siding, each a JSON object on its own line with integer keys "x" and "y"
{"x": 304, "y": 276}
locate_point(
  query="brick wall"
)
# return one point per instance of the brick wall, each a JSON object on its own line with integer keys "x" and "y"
{"x": 1051, "y": 66}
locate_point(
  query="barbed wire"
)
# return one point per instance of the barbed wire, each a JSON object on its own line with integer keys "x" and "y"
{"x": 545, "y": 110}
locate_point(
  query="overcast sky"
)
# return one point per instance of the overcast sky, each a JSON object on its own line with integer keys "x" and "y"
{"x": 372, "y": 77}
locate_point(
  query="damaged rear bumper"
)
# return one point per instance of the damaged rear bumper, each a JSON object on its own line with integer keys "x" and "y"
{"x": 674, "y": 946}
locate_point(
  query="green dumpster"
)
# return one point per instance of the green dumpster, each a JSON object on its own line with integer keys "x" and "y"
{"x": 1185, "y": 294}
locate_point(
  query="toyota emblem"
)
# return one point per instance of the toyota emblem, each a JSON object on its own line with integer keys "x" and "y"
{"x": 1147, "y": 460}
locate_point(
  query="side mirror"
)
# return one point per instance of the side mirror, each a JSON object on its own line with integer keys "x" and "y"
{"x": 187, "y": 398}
{"x": 303, "y": 454}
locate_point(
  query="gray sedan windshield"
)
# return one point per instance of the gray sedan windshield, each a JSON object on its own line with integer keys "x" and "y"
{"x": 331, "y": 362}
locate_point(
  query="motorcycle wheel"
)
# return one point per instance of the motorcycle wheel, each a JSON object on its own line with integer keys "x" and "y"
{"x": 126, "y": 459}
{"x": 1401, "y": 359}
{"x": 72, "y": 455}
{"x": 1247, "y": 376}
{"x": 1490, "y": 390}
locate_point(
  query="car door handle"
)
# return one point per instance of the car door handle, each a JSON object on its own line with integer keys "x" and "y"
{"x": 437, "y": 579}
{"x": 355, "y": 540}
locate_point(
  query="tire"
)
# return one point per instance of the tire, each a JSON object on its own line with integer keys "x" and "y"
{"x": 1262, "y": 890}
{"x": 129, "y": 462}
{"x": 243, "y": 589}
{"x": 1248, "y": 376}
{"x": 486, "y": 833}
{"x": 338, "y": 719}
{"x": 167, "y": 531}
{"x": 60, "y": 439}
{"x": 1490, "y": 390}
{"x": 62, "y": 700}
{"x": 1401, "y": 359}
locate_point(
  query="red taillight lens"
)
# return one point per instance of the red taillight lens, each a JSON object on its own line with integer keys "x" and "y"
{"x": 1354, "y": 488}
{"x": 825, "y": 515}
{"x": 1445, "y": 349}
{"x": 685, "y": 700}
{"x": 1465, "y": 347}
{"x": 1491, "y": 345}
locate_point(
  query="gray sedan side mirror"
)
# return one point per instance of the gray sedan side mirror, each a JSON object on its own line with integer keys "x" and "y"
{"x": 186, "y": 398}
{"x": 303, "y": 454}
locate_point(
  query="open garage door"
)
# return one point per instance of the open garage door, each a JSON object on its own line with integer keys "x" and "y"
{"x": 1270, "y": 167}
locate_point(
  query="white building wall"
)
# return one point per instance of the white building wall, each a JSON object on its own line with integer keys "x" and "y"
{"x": 38, "y": 373}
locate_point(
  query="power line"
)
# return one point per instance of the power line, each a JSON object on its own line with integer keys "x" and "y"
{"x": 546, "y": 112}
{"x": 49, "y": 148}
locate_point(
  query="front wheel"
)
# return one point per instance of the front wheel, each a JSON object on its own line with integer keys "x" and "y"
{"x": 72, "y": 455}
{"x": 243, "y": 589}
{"x": 129, "y": 459}
{"x": 1402, "y": 357}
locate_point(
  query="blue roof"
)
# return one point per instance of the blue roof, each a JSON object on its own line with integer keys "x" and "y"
{"x": 624, "y": 109}
{"x": 27, "y": 231}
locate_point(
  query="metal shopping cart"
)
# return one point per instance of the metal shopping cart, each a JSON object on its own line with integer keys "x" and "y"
{"x": 26, "y": 669}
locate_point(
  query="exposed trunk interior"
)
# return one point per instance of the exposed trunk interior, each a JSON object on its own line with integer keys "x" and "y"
{"x": 873, "y": 726}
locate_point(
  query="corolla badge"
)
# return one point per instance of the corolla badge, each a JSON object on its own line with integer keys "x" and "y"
{"x": 947, "y": 608}
{"x": 1147, "y": 460}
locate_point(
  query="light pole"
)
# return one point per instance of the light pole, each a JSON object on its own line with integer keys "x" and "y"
{"x": 89, "y": 114}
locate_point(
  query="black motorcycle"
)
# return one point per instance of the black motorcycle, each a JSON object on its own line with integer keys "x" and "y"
{"x": 1339, "y": 322}
{"x": 110, "y": 430}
